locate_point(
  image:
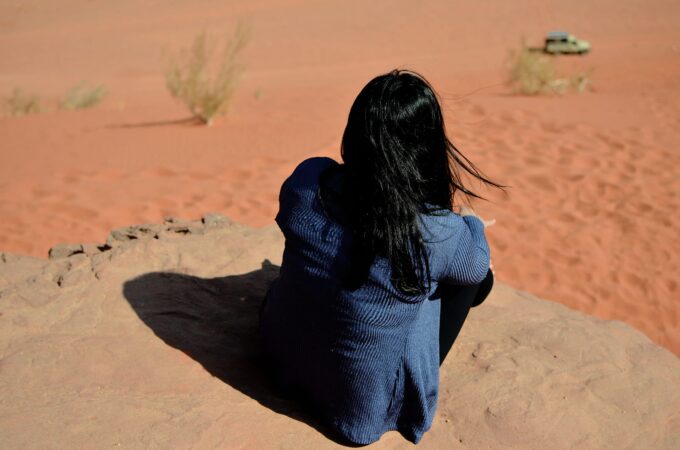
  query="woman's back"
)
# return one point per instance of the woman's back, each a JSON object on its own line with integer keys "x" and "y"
{"x": 367, "y": 358}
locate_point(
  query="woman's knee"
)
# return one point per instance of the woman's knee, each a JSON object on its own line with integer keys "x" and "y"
{"x": 484, "y": 289}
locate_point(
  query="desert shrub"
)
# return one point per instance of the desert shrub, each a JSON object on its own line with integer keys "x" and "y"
{"x": 203, "y": 83}
{"x": 581, "y": 82}
{"x": 81, "y": 96}
{"x": 532, "y": 72}
{"x": 20, "y": 103}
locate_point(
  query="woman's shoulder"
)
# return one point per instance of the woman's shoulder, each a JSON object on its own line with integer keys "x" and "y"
{"x": 306, "y": 173}
{"x": 299, "y": 207}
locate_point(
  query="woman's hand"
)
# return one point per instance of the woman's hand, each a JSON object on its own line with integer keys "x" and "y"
{"x": 467, "y": 211}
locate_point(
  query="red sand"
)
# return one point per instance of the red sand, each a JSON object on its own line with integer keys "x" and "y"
{"x": 591, "y": 217}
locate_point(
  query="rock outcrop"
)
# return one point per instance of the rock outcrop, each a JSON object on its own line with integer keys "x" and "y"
{"x": 148, "y": 341}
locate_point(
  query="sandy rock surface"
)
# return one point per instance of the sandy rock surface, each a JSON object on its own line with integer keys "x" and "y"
{"x": 148, "y": 341}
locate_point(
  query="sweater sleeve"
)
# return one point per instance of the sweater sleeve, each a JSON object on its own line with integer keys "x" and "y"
{"x": 469, "y": 263}
{"x": 298, "y": 190}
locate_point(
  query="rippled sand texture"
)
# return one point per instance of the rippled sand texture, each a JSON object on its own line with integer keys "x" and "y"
{"x": 590, "y": 219}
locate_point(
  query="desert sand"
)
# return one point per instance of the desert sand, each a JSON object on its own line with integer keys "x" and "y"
{"x": 591, "y": 215}
{"x": 590, "y": 218}
{"x": 148, "y": 341}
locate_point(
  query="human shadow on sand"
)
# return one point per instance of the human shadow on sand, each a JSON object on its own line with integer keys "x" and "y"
{"x": 214, "y": 321}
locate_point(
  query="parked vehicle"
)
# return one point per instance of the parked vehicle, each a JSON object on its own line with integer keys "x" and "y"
{"x": 563, "y": 42}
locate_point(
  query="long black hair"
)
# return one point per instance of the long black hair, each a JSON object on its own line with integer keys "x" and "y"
{"x": 398, "y": 163}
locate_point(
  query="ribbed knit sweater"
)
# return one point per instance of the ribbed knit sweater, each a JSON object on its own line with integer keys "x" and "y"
{"x": 367, "y": 359}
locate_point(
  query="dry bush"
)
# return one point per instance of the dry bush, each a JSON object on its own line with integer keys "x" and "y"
{"x": 532, "y": 72}
{"x": 581, "y": 82}
{"x": 205, "y": 84}
{"x": 20, "y": 103}
{"x": 82, "y": 96}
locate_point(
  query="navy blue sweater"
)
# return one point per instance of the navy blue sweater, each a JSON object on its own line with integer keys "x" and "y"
{"x": 368, "y": 359}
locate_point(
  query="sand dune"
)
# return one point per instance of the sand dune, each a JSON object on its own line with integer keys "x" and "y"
{"x": 148, "y": 340}
{"x": 589, "y": 221}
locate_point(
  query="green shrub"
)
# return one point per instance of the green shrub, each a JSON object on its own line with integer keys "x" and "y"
{"x": 20, "y": 103}
{"x": 81, "y": 96}
{"x": 204, "y": 84}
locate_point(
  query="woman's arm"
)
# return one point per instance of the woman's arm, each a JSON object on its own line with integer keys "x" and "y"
{"x": 299, "y": 189}
{"x": 469, "y": 263}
